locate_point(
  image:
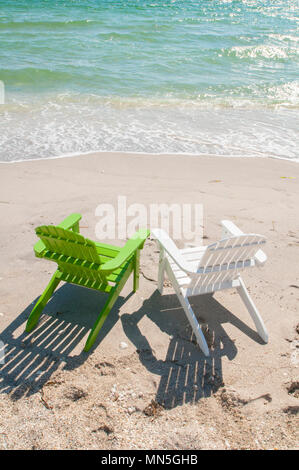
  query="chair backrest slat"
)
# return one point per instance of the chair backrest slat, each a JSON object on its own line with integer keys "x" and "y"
{"x": 222, "y": 261}
{"x": 75, "y": 255}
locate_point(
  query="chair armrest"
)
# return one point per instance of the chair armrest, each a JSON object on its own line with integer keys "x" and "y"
{"x": 71, "y": 222}
{"x": 260, "y": 258}
{"x": 135, "y": 243}
{"x": 38, "y": 248}
{"x": 167, "y": 244}
{"x": 230, "y": 229}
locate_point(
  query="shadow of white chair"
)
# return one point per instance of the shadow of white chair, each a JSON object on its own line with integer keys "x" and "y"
{"x": 207, "y": 269}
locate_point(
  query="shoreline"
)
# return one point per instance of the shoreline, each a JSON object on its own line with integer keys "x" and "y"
{"x": 164, "y": 154}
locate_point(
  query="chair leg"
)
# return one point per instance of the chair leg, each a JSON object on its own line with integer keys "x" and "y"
{"x": 100, "y": 320}
{"x": 195, "y": 325}
{"x": 42, "y": 302}
{"x": 253, "y": 311}
{"x": 190, "y": 315}
{"x": 161, "y": 272}
{"x": 106, "y": 310}
{"x": 136, "y": 271}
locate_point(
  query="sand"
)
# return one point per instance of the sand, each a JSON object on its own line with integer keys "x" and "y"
{"x": 145, "y": 384}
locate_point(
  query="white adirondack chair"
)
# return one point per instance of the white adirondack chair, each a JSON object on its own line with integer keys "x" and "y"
{"x": 206, "y": 269}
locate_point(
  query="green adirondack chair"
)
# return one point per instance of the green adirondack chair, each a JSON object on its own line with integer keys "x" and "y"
{"x": 81, "y": 261}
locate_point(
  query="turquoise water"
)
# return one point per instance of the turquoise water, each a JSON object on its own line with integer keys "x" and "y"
{"x": 201, "y": 77}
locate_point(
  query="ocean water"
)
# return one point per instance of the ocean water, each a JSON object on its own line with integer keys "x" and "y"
{"x": 161, "y": 76}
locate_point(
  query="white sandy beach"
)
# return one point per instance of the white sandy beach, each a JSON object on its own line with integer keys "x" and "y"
{"x": 53, "y": 395}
